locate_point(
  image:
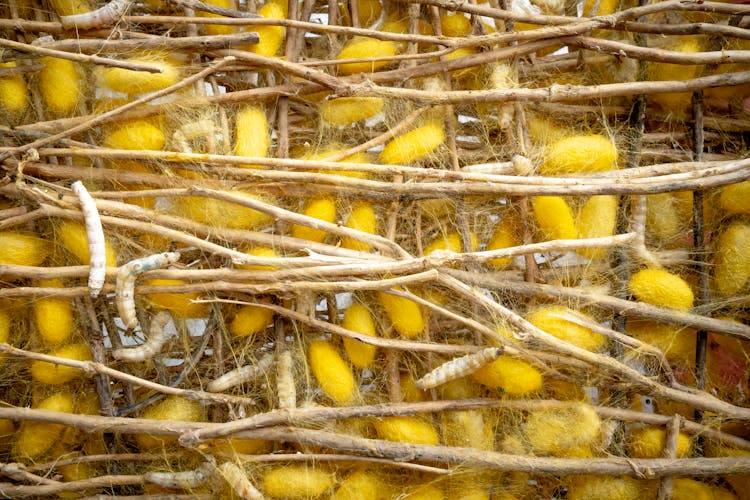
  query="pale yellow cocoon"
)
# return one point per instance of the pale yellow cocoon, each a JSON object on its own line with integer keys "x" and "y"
{"x": 452, "y": 242}
{"x": 35, "y": 438}
{"x": 223, "y": 213}
{"x": 405, "y": 315}
{"x": 260, "y": 251}
{"x": 358, "y": 318}
{"x": 297, "y": 482}
{"x": 335, "y": 149}
{"x": 668, "y": 215}
{"x": 406, "y": 430}
{"x": 73, "y": 237}
{"x": 514, "y": 377}
{"x": 506, "y": 234}
{"x": 218, "y": 29}
{"x": 676, "y": 342}
{"x": 61, "y": 85}
{"x": 361, "y": 47}
{"x": 179, "y": 304}
{"x": 554, "y": 218}
{"x": 609, "y": 487}
{"x": 22, "y": 249}
{"x": 135, "y": 134}
{"x": 648, "y": 442}
{"x": 323, "y": 208}
{"x": 597, "y": 220}
{"x": 732, "y": 261}
{"x": 735, "y": 198}
{"x": 251, "y": 137}
{"x": 14, "y": 95}
{"x": 348, "y": 110}
{"x": 469, "y": 492}
{"x": 53, "y": 315}
{"x": 468, "y": 429}
{"x": 414, "y": 145}
{"x": 580, "y": 154}
{"x": 333, "y": 374}
{"x": 250, "y": 320}
{"x": 362, "y": 218}
{"x": 49, "y": 373}
{"x": 70, "y": 7}
{"x": 661, "y": 288}
{"x": 561, "y": 432}
{"x": 425, "y": 492}
{"x": 138, "y": 82}
{"x": 170, "y": 408}
{"x": 360, "y": 485}
{"x": 455, "y": 24}
{"x": 271, "y": 37}
{"x": 546, "y": 319}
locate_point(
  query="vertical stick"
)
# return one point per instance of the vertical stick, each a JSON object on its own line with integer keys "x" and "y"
{"x": 670, "y": 451}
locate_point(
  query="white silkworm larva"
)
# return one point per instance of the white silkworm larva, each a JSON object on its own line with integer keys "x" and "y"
{"x": 126, "y": 276}
{"x": 285, "y": 386}
{"x": 237, "y": 479}
{"x": 104, "y": 16}
{"x": 95, "y": 236}
{"x": 240, "y": 375}
{"x": 184, "y": 480}
{"x": 155, "y": 341}
{"x": 638, "y": 226}
{"x": 458, "y": 367}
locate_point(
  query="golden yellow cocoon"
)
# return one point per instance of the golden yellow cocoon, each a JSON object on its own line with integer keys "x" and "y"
{"x": 409, "y": 390}
{"x": 232, "y": 447}
{"x": 53, "y": 316}
{"x": 347, "y": 110}
{"x": 661, "y": 288}
{"x": 357, "y": 318}
{"x": 49, "y": 373}
{"x": 513, "y": 376}
{"x": 60, "y": 83}
{"x": 554, "y": 218}
{"x": 425, "y": 492}
{"x": 73, "y": 237}
{"x": 271, "y": 37}
{"x": 546, "y": 319}
{"x": 250, "y": 320}
{"x": 735, "y": 198}
{"x": 414, "y": 145}
{"x": 296, "y": 482}
{"x": 609, "y": 487}
{"x": 333, "y": 374}
{"x": 260, "y": 251}
{"x": 606, "y": 7}
{"x": 676, "y": 102}
{"x": 70, "y": 7}
{"x": 468, "y": 429}
{"x": 406, "y": 430}
{"x": 597, "y": 220}
{"x": 14, "y": 95}
{"x": 732, "y": 262}
{"x": 360, "y": 485}
{"x": 170, "y": 408}
{"x": 35, "y": 438}
{"x": 22, "y": 249}
{"x": 223, "y": 213}
{"x": 362, "y": 218}
{"x": 405, "y": 315}
{"x": 452, "y": 242}
{"x": 361, "y": 47}
{"x": 455, "y": 24}
{"x": 251, "y": 137}
{"x": 323, "y": 208}
{"x": 5, "y": 323}
{"x": 138, "y": 82}
{"x": 563, "y": 430}
{"x": 676, "y": 342}
{"x": 135, "y": 134}
{"x": 506, "y": 234}
{"x": 179, "y": 304}
{"x": 648, "y": 442}
{"x": 368, "y": 12}
{"x": 580, "y": 154}
{"x": 690, "y": 489}
{"x": 218, "y": 29}
{"x": 332, "y": 149}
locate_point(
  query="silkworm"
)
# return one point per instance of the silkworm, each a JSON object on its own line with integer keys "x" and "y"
{"x": 241, "y": 375}
{"x": 458, "y": 367}
{"x": 103, "y": 16}
{"x": 237, "y": 479}
{"x": 184, "y": 480}
{"x": 285, "y": 386}
{"x": 638, "y": 226}
{"x": 95, "y": 236}
{"x": 126, "y": 283}
{"x": 157, "y": 337}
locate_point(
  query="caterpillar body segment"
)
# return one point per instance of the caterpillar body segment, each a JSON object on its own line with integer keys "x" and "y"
{"x": 184, "y": 480}
{"x": 238, "y": 481}
{"x": 241, "y": 374}
{"x": 156, "y": 339}
{"x": 459, "y": 367}
{"x": 285, "y": 386}
{"x": 126, "y": 283}
{"x": 104, "y": 16}
{"x": 95, "y": 235}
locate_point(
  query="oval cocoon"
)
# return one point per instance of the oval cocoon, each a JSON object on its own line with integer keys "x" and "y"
{"x": 250, "y": 320}
{"x": 735, "y": 198}
{"x": 223, "y": 213}
{"x": 597, "y": 220}
{"x": 251, "y": 137}
{"x": 271, "y": 37}
{"x": 50, "y": 373}
{"x": 334, "y": 376}
{"x": 22, "y": 249}
{"x": 362, "y": 218}
{"x": 323, "y": 208}
{"x": 414, "y": 145}
{"x": 53, "y": 316}
{"x": 554, "y": 218}
{"x": 73, "y": 237}
{"x": 405, "y": 315}
{"x": 661, "y": 288}
{"x": 611, "y": 488}
{"x": 14, "y": 95}
{"x": 137, "y": 82}
{"x": 360, "y": 48}
{"x": 546, "y": 319}
{"x": 648, "y": 442}
{"x": 347, "y": 110}
{"x": 360, "y": 485}
{"x": 35, "y": 438}
{"x": 580, "y": 154}
{"x": 406, "y": 430}
{"x": 562, "y": 431}
{"x": 513, "y": 376}
{"x": 506, "y": 234}
{"x": 179, "y": 304}
{"x": 357, "y": 318}
{"x": 218, "y": 29}
{"x": 296, "y": 482}
{"x": 135, "y": 134}
{"x": 170, "y": 408}
{"x": 732, "y": 262}
{"x": 60, "y": 83}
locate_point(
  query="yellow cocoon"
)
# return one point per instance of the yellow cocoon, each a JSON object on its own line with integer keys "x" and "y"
{"x": 405, "y": 315}
{"x": 251, "y": 137}
{"x": 357, "y": 318}
{"x": 506, "y": 234}
{"x": 334, "y": 149}
{"x": 546, "y": 319}
{"x": 668, "y": 214}
{"x": 690, "y": 489}
{"x": 455, "y": 24}
{"x": 562, "y": 431}
{"x": 368, "y": 12}
{"x": 70, "y": 7}
{"x": 271, "y": 37}
{"x": 14, "y": 95}
{"x": 648, "y": 442}
{"x": 676, "y": 102}
{"x": 597, "y": 220}
{"x": 22, "y": 249}
{"x": 135, "y": 134}
{"x": 362, "y": 218}
{"x": 73, "y": 237}
{"x": 218, "y": 29}
{"x": 60, "y": 83}
{"x": 223, "y": 213}
{"x": 250, "y": 320}
{"x": 580, "y": 154}
{"x": 53, "y": 316}
{"x": 554, "y": 218}
{"x": 348, "y": 110}
{"x": 5, "y": 323}
{"x": 452, "y": 242}
{"x": 361, "y": 47}
{"x": 414, "y": 145}
{"x": 735, "y": 198}
{"x": 406, "y": 430}
{"x": 513, "y": 376}
{"x": 49, "y": 373}
{"x": 232, "y": 447}
{"x": 35, "y": 438}
{"x": 260, "y": 251}
{"x": 661, "y": 288}
{"x": 676, "y": 342}
{"x": 296, "y": 482}
{"x": 170, "y": 408}
{"x": 138, "y": 82}
{"x": 611, "y": 488}
{"x": 468, "y": 429}
{"x": 360, "y": 485}
{"x": 333, "y": 374}
{"x": 323, "y": 208}
{"x": 732, "y": 262}
{"x": 179, "y": 304}
{"x": 425, "y": 492}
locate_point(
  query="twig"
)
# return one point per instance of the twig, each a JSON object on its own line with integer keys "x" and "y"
{"x": 329, "y": 457}
{"x": 95, "y": 45}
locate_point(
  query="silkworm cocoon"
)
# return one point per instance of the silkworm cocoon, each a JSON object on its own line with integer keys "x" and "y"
{"x": 405, "y": 315}
{"x": 506, "y": 234}
{"x": 53, "y": 316}
{"x": 231, "y": 447}
{"x": 676, "y": 102}
{"x": 361, "y": 47}
{"x": 690, "y": 489}
{"x": 732, "y": 262}
{"x": 357, "y": 318}
{"x": 333, "y": 374}
{"x": 554, "y": 218}
{"x": 138, "y": 82}
{"x": 348, "y": 110}
{"x": 94, "y": 237}
{"x": 239, "y": 482}
{"x": 414, "y": 145}
{"x": 425, "y": 492}
{"x": 251, "y": 137}
{"x": 157, "y": 337}
{"x": 560, "y": 431}
{"x": 218, "y": 29}
{"x": 170, "y": 408}
{"x": 458, "y": 367}
{"x": 514, "y": 377}
{"x": 260, "y": 251}
{"x": 406, "y": 430}
{"x": 22, "y": 249}
{"x": 271, "y": 37}
{"x": 335, "y": 149}
{"x": 735, "y": 198}
{"x": 661, "y": 288}
{"x": 368, "y": 12}
{"x": 669, "y": 214}
{"x": 362, "y": 218}
{"x": 360, "y": 485}
{"x": 5, "y": 323}
{"x": 60, "y": 83}
{"x": 250, "y": 320}
{"x": 676, "y": 342}
{"x": 135, "y": 134}
{"x": 323, "y": 208}
{"x": 73, "y": 237}
{"x": 409, "y": 391}
{"x": 463, "y": 491}
{"x": 223, "y": 213}
{"x": 580, "y": 154}
{"x": 612, "y": 488}
{"x": 596, "y": 220}
{"x": 49, "y": 373}
{"x": 546, "y": 319}
{"x": 14, "y": 95}
{"x": 455, "y": 24}
{"x": 452, "y": 242}
{"x": 296, "y": 482}
{"x": 179, "y": 304}
{"x": 648, "y": 442}
{"x": 468, "y": 429}
{"x": 35, "y": 438}
{"x": 70, "y": 7}
{"x": 183, "y": 480}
